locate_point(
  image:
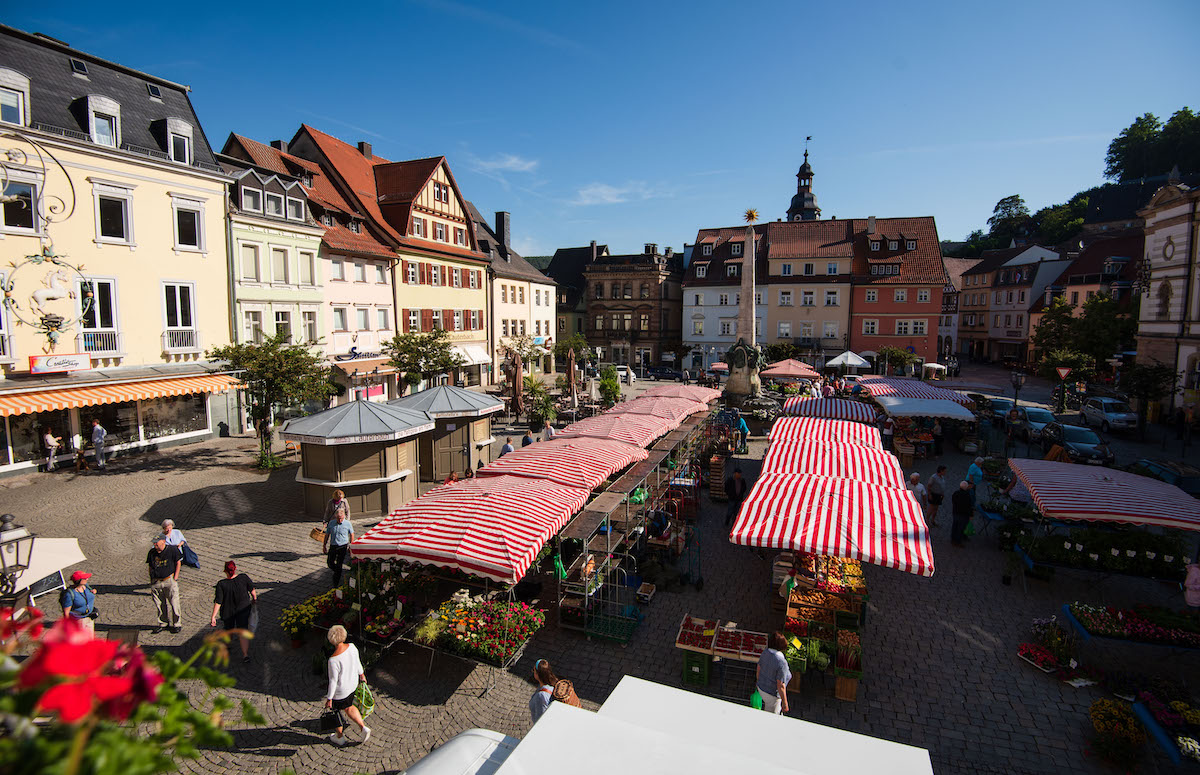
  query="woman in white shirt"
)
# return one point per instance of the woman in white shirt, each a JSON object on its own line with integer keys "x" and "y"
{"x": 345, "y": 672}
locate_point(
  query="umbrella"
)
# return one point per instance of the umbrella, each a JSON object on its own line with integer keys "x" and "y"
{"x": 719, "y": 366}
{"x": 571, "y": 378}
{"x": 850, "y": 360}
{"x": 49, "y": 556}
{"x": 789, "y": 368}
{"x": 518, "y": 380}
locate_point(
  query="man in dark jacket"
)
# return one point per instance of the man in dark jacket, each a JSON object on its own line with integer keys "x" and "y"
{"x": 962, "y": 508}
{"x": 735, "y": 491}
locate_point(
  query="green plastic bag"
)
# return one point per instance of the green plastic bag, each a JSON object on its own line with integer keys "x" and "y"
{"x": 559, "y": 570}
{"x": 756, "y": 700}
{"x": 969, "y": 530}
{"x": 364, "y": 700}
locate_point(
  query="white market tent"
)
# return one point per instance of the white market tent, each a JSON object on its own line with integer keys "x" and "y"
{"x": 658, "y": 729}
{"x": 48, "y": 558}
{"x": 899, "y": 406}
{"x": 849, "y": 359}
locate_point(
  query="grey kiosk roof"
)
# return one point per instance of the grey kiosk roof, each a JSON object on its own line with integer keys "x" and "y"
{"x": 448, "y": 401}
{"x": 357, "y": 422}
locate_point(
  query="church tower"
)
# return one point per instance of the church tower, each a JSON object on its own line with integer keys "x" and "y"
{"x": 804, "y": 203}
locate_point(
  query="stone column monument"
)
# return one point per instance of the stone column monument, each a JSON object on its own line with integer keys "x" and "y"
{"x": 743, "y": 389}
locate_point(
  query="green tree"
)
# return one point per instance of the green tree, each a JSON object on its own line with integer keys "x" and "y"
{"x": 275, "y": 372}
{"x": 895, "y": 358}
{"x": 1148, "y": 383}
{"x": 1056, "y": 330}
{"x": 1058, "y": 223}
{"x": 1179, "y": 142}
{"x": 578, "y": 343}
{"x": 1103, "y": 330}
{"x": 1010, "y": 216}
{"x": 780, "y": 351}
{"x": 1130, "y": 154}
{"x": 610, "y": 386}
{"x": 422, "y": 355}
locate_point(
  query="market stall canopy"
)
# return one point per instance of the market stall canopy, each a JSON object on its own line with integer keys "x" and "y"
{"x": 896, "y": 406}
{"x": 449, "y": 401}
{"x": 1076, "y": 491}
{"x": 673, "y": 409}
{"x": 837, "y": 517}
{"x": 849, "y": 461}
{"x": 491, "y": 527}
{"x": 692, "y": 392}
{"x": 850, "y": 360}
{"x": 636, "y": 429}
{"x": 789, "y": 369}
{"x": 31, "y": 401}
{"x": 829, "y": 408}
{"x": 582, "y": 462}
{"x": 934, "y": 367}
{"x": 719, "y": 366}
{"x": 49, "y": 556}
{"x": 911, "y": 388}
{"x": 825, "y": 431}
{"x": 357, "y": 422}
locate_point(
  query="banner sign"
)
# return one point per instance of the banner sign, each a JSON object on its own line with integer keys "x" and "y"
{"x": 50, "y": 364}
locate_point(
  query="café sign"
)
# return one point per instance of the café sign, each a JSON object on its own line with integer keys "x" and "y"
{"x": 59, "y": 362}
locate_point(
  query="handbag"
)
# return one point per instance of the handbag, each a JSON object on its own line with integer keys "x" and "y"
{"x": 331, "y": 720}
{"x": 252, "y": 625}
{"x": 317, "y": 534}
{"x": 190, "y": 558}
{"x": 94, "y": 613}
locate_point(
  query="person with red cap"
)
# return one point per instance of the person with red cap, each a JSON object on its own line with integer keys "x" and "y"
{"x": 234, "y": 600}
{"x": 79, "y": 602}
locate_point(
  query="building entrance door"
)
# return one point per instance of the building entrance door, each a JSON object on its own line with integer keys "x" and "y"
{"x": 451, "y": 449}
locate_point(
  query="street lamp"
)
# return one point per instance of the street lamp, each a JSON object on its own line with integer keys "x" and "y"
{"x": 16, "y": 546}
{"x": 1018, "y": 380}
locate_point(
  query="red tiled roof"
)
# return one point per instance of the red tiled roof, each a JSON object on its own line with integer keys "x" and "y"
{"x": 809, "y": 239}
{"x": 357, "y": 173}
{"x": 339, "y": 237}
{"x": 1091, "y": 260}
{"x": 722, "y": 254}
{"x": 322, "y": 191}
{"x": 955, "y": 268}
{"x": 922, "y": 265}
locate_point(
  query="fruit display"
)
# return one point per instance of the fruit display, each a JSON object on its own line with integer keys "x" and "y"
{"x": 728, "y": 643}
{"x": 849, "y": 663}
{"x": 819, "y": 599}
{"x": 696, "y": 634}
{"x": 849, "y": 639}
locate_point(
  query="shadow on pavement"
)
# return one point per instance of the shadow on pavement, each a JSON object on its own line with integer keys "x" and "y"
{"x": 234, "y": 505}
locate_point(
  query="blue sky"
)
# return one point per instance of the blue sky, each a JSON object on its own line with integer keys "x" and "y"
{"x": 633, "y": 122}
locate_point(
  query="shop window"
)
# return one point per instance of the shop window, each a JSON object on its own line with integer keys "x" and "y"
{"x": 120, "y": 420}
{"x": 26, "y": 431}
{"x": 173, "y": 415}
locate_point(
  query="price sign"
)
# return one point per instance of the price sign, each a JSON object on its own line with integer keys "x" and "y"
{"x": 1063, "y": 371}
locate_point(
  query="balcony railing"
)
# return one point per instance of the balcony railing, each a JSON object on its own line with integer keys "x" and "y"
{"x": 181, "y": 340}
{"x": 100, "y": 343}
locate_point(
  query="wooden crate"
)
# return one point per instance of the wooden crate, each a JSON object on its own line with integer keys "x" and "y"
{"x": 845, "y": 688}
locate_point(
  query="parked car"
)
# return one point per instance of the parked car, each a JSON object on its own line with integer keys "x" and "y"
{"x": 1107, "y": 414}
{"x": 626, "y": 375}
{"x": 999, "y": 409}
{"x": 1030, "y": 421}
{"x": 1082, "y": 445}
{"x": 657, "y": 373}
{"x": 1182, "y": 475}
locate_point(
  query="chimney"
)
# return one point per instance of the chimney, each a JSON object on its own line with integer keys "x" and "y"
{"x": 280, "y": 145}
{"x": 593, "y": 251}
{"x": 668, "y": 252}
{"x": 364, "y": 148}
{"x": 504, "y": 228}
{"x": 651, "y": 248}
{"x": 871, "y": 225}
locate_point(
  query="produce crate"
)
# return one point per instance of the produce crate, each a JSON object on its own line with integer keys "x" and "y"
{"x": 817, "y": 598}
{"x": 645, "y": 593}
{"x": 808, "y": 629}
{"x": 812, "y": 614}
{"x": 848, "y": 619}
{"x": 846, "y": 688}
{"x": 696, "y": 635}
{"x": 716, "y": 478}
{"x": 696, "y": 668}
{"x": 852, "y": 660}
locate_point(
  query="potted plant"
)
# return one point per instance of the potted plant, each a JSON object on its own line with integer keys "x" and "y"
{"x": 541, "y": 410}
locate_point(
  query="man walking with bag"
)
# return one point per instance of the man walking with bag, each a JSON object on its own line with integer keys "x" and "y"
{"x": 164, "y": 562}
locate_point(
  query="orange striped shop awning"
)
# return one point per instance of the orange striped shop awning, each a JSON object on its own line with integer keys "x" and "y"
{"x": 66, "y": 398}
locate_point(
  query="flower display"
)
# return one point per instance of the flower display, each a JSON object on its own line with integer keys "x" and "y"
{"x": 490, "y": 631}
{"x": 1188, "y": 747}
{"x": 1150, "y": 624}
{"x": 1038, "y": 655}
{"x": 1054, "y": 638}
{"x": 1119, "y": 735}
{"x": 1163, "y": 713}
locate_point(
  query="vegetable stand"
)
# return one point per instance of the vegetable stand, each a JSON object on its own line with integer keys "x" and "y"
{"x": 708, "y": 643}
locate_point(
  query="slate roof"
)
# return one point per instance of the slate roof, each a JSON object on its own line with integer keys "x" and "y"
{"x": 358, "y": 418}
{"x": 721, "y": 239}
{"x": 448, "y": 401}
{"x": 57, "y": 97}
{"x": 567, "y": 269}
{"x": 1087, "y": 268}
{"x": 516, "y": 267}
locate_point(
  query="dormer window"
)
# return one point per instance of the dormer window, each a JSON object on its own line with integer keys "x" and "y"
{"x": 702, "y": 270}
{"x": 14, "y": 97}
{"x": 306, "y": 179}
{"x": 707, "y": 250}
{"x": 181, "y": 148}
{"x": 874, "y": 244}
{"x": 295, "y": 209}
{"x": 154, "y": 91}
{"x": 910, "y": 244}
{"x": 104, "y": 130}
{"x": 274, "y": 205}
{"x": 893, "y": 244}
{"x": 251, "y": 200}
{"x": 736, "y": 248}
{"x": 326, "y": 219}
{"x": 731, "y": 270}
{"x": 104, "y": 120}
{"x": 356, "y": 227}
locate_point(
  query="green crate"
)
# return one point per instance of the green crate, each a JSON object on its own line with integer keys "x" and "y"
{"x": 696, "y": 668}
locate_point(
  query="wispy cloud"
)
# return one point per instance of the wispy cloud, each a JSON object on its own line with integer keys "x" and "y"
{"x": 507, "y": 162}
{"x": 1025, "y": 142}
{"x": 356, "y": 128}
{"x": 499, "y": 21}
{"x": 605, "y": 194}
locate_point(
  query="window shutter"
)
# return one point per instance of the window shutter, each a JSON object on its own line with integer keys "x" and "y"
{"x": 402, "y": 323}
{"x": 404, "y": 270}
{"x": 426, "y": 319}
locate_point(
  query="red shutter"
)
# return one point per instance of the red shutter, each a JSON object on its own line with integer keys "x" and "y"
{"x": 466, "y": 313}
{"x": 404, "y": 269}
{"x": 402, "y": 323}
{"x": 480, "y": 319}
{"x": 421, "y": 274}
{"x": 426, "y": 319}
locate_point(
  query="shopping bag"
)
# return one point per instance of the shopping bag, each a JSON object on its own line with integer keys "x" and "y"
{"x": 252, "y": 625}
{"x": 331, "y": 720}
{"x": 317, "y": 534}
{"x": 190, "y": 558}
{"x": 756, "y": 701}
{"x": 364, "y": 700}
{"x": 969, "y": 530}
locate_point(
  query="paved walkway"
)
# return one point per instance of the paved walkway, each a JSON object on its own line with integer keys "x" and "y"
{"x": 940, "y": 653}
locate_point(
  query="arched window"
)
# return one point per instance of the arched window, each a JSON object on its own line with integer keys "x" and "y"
{"x": 1164, "y": 301}
{"x": 629, "y": 290}
{"x": 599, "y": 290}
{"x": 616, "y": 290}
{"x": 645, "y": 290}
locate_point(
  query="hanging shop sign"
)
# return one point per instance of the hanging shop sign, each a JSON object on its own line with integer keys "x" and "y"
{"x": 59, "y": 362}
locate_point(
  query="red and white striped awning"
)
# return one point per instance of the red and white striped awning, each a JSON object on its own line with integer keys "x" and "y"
{"x": 694, "y": 392}
{"x": 719, "y": 366}
{"x": 838, "y": 517}
{"x": 580, "y": 462}
{"x": 490, "y": 527}
{"x": 673, "y": 409}
{"x": 1078, "y": 491}
{"x": 911, "y": 388}
{"x": 829, "y": 408}
{"x": 636, "y": 429}
{"x": 850, "y": 461}
{"x": 825, "y": 431}
{"x": 65, "y": 398}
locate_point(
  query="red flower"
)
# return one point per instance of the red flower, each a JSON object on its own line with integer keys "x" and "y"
{"x": 31, "y": 625}
{"x": 73, "y": 701}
